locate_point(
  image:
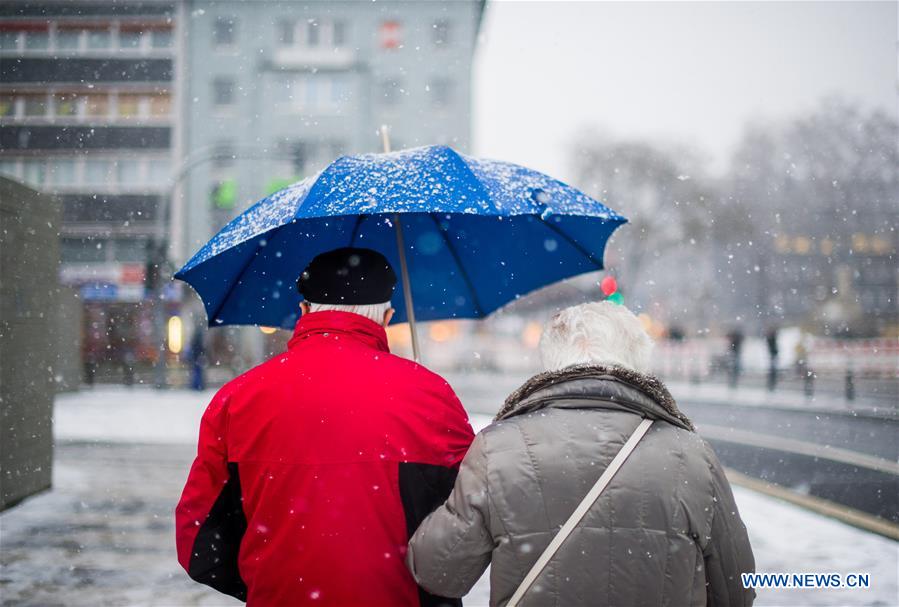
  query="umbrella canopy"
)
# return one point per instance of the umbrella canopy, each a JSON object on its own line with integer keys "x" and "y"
{"x": 478, "y": 234}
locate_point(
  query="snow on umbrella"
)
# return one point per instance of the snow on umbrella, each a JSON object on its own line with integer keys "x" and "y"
{"x": 476, "y": 235}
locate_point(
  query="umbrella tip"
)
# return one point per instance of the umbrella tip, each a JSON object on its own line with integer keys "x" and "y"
{"x": 385, "y": 137}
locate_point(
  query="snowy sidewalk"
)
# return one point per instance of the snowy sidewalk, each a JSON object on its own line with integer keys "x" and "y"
{"x": 104, "y": 534}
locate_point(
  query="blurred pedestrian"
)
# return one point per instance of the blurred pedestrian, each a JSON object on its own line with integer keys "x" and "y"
{"x": 90, "y": 362}
{"x": 801, "y": 354}
{"x": 315, "y": 467}
{"x": 197, "y": 357}
{"x": 771, "y": 342}
{"x": 735, "y": 351}
{"x": 128, "y": 362}
{"x": 667, "y": 531}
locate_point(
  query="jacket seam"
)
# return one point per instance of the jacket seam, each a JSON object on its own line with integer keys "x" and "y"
{"x": 674, "y": 508}
{"x": 556, "y": 572}
{"x": 611, "y": 526}
{"x": 461, "y": 537}
{"x": 537, "y": 477}
{"x": 491, "y": 507}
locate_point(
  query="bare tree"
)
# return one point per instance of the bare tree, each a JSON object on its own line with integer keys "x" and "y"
{"x": 666, "y": 196}
{"x": 822, "y": 192}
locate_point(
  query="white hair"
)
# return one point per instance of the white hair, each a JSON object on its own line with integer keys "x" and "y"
{"x": 373, "y": 312}
{"x": 601, "y": 333}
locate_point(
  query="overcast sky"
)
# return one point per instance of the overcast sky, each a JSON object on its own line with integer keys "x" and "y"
{"x": 690, "y": 72}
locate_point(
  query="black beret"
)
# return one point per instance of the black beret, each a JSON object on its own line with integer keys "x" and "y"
{"x": 348, "y": 276}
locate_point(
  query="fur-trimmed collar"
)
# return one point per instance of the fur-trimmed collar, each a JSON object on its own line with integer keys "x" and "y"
{"x": 649, "y": 385}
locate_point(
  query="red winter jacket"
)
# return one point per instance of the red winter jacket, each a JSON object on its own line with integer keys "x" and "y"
{"x": 315, "y": 468}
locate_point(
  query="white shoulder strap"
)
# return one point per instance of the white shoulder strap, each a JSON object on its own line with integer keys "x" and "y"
{"x": 579, "y": 512}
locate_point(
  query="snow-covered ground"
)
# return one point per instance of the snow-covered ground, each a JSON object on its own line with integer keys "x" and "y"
{"x": 104, "y": 534}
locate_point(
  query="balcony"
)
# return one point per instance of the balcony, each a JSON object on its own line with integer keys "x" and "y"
{"x": 308, "y": 58}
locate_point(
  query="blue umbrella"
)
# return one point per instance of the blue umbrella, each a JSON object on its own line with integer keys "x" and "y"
{"x": 470, "y": 235}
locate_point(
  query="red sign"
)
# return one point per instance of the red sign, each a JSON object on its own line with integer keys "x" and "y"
{"x": 132, "y": 273}
{"x": 391, "y": 34}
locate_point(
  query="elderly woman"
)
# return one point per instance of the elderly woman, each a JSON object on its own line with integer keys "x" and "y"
{"x": 665, "y": 531}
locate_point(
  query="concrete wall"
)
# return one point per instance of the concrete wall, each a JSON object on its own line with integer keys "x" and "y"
{"x": 29, "y": 291}
{"x": 68, "y": 366}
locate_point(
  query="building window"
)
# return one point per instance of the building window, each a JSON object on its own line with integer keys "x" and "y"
{"x": 128, "y": 172}
{"x": 130, "y": 39}
{"x": 320, "y": 93}
{"x": 391, "y": 91}
{"x": 7, "y": 106}
{"x": 440, "y": 32}
{"x": 391, "y": 34}
{"x": 99, "y": 39}
{"x": 223, "y": 92}
{"x": 129, "y": 250}
{"x": 97, "y": 172}
{"x": 313, "y": 33}
{"x": 441, "y": 90}
{"x": 285, "y": 32}
{"x": 65, "y": 105}
{"x": 338, "y": 34}
{"x": 68, "y": 39}
{"x": 35, "y": 106}
{"x": 64, "y": 172}
{"x": 161, "y": 38}
{"x": 97, "y": 106}
{"x": 10, "y": 168}
{"x": 128, "y": 106}
{"x": 38, "y": 40}
{"x": 224, "y": 32}
{"x": 9, "y": 41}
{"x": 341, "y": 91}
{"x": 160, "y": 106}
{"x": 159, "y": 171}
{"x": 35, "y": 173}
{"x": 82, "y": 249}
{"x": 86, "y": 107}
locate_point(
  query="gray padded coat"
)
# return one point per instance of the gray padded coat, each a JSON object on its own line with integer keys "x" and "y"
{"x": 666, "y": 531}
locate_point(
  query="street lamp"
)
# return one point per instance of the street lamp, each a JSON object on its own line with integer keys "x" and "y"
{"x": 159, "y": 269}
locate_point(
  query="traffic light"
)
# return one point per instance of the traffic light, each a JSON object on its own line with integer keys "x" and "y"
{"x": 224, "y": 195}
{"x": 609, "y": 287}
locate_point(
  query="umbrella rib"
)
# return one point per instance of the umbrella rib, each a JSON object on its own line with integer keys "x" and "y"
{"x": 230, "y": 290}
{"x": 239, "y": 275}
{"x": 580, "y": 248}
{"x": 465, "y": 276}
{"x": 356, "y": 226}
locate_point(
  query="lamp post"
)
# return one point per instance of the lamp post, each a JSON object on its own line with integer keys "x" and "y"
{"x": 159, "y": 269}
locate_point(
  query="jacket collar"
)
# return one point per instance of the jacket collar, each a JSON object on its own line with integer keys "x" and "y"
{"x": 352, "y": 325}
{"x": 596, "y": 386}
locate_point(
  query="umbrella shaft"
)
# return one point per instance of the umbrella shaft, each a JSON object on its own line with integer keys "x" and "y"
{"x": 407, "y": 285}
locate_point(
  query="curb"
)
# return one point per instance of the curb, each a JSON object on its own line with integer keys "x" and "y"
{"x": 844, "y": 514}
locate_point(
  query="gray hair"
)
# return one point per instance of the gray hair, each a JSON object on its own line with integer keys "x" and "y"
{"x": 373, "y": 312}
{"x": 602, "y": 333}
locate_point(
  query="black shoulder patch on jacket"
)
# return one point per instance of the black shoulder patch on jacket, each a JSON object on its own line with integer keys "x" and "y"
{"x": 214, "y": 558}
{"x": 424, "y": 487}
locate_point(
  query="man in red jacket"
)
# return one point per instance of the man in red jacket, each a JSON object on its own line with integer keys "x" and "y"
{"x": 315, "y": 468}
